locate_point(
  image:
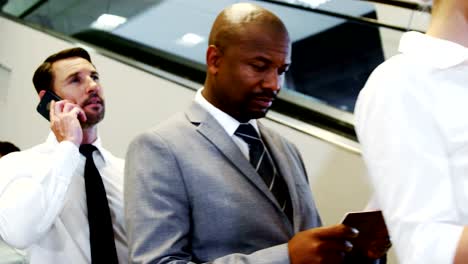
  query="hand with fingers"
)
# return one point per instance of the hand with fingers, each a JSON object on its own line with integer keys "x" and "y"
{"x": 65, "y": 118}
{"x": 321, "y": 245}
{"x": 379, "y": 246}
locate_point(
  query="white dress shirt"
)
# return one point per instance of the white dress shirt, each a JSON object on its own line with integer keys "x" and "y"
{"x": 43, "y": 201}
{"x": 412, "y": 124}
{"x": 226, "y": 121}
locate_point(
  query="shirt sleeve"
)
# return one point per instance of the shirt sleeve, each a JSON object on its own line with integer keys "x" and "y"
{"x": 33, "y": 185}
{"x": 157, "y": 210}
{"x": 408, "y": 164}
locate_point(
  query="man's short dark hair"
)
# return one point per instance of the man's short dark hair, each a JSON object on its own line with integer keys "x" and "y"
{"x": 43, "y": 78}
{"x": 7, "y": 147}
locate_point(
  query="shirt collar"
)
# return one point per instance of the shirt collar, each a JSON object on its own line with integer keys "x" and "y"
{"x": 429, "y": 50}
{"x": 229, "y": 124}
{"x": 52, "y": 140}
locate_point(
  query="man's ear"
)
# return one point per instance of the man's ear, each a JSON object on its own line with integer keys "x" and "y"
{"x": 41, "y": 94}
{"x": 213, "y": 59}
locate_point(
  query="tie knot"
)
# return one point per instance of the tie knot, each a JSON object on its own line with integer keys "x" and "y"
{"x": 87, "y": 150}
{"x": 248, "y": 133}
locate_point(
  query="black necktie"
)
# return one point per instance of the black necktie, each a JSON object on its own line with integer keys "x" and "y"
{"x": 101, "y": 232}
{"x": 264, "y": 165}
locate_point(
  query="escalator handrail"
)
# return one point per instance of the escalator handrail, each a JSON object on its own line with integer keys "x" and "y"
{"x": 359, "y": 20}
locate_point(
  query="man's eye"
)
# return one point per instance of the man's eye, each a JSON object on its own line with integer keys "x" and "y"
{"x": 75, "y": 80}
{"x": 95, "y": 77}
{"x": 259, "y": 67}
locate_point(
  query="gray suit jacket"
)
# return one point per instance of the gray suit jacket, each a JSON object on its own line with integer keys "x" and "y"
{"x": 191, "y": 196}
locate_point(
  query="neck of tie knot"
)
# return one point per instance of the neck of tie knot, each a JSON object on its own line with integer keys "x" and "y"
{"x": 87, "y": 150}
{"x": 250, "y": 136}
{"x": 248, "y": 133}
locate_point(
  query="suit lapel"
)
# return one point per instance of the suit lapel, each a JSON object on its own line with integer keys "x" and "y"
{"x": 216, "y": 135}
{"x": 283, "y": 164}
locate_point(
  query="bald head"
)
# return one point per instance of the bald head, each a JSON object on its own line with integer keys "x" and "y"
{"x": 232, "y": 23}
{"x": 249, "y": 51}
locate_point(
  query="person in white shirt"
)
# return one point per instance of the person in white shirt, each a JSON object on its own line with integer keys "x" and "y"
{"x": 43, "y": 206}
{"x": 410, "y": 122}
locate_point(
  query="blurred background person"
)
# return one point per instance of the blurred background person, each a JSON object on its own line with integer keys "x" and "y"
{"x": 7, "y": 147}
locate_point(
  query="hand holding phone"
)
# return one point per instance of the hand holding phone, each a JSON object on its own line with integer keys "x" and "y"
{"x": 44, "y": 105}
{"x": 373, "y": 240}
{"x": 66, "y": 124}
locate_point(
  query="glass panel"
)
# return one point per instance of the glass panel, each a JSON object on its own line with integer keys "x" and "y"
{"x": 335, "y": 46}
{"x": 17, "y": 7}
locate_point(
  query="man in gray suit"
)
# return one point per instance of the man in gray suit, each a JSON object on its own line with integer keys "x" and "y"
{"x": 191, "y": 194}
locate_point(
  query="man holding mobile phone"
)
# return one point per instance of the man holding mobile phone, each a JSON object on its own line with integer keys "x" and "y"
{"x": 212, "y": 184}
{"x": 49, "y": 203}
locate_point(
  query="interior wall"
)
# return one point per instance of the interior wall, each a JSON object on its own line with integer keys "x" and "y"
{"x": 405, "y": 18}
{"x": 137, "y": 100}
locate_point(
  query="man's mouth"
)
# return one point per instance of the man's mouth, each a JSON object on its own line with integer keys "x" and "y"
{"x": 264, "y": 102}
{"x": 93, "y": 102}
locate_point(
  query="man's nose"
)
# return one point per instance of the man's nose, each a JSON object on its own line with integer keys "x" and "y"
{"x": 272, "y": 80}
{"x": 92, "y": 85}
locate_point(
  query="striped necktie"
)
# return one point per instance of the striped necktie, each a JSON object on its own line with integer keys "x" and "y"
{"x": 263, "y": 163}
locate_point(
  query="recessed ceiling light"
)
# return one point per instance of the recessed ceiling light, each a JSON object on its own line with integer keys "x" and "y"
{"x": 108, "y": 22}
{"x": 190, "y": 40}
{"x": 310, "y": 3}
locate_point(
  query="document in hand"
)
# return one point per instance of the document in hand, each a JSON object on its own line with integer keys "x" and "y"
{"x": 372, "y": 231}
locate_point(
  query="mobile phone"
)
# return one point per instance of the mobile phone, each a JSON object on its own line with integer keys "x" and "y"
{"x": 44, "y": 105}
{"x": 372, "y": 230}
